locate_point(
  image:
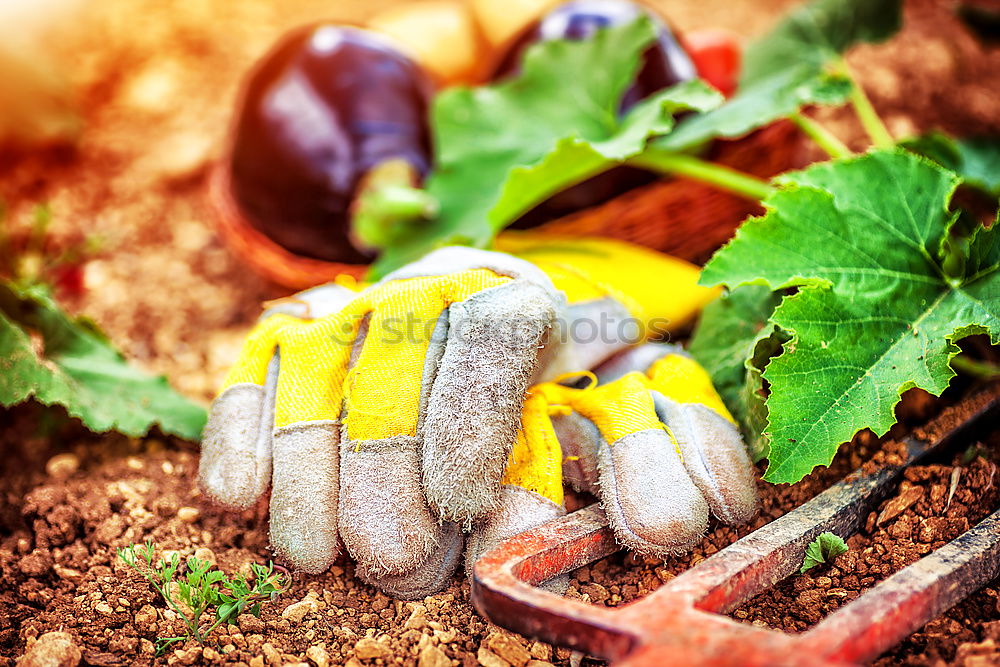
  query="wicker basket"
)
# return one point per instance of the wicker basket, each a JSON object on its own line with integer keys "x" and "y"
{"x": 685, "y": 218}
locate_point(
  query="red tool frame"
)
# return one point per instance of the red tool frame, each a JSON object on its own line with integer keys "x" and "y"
{"x": 683, "y": 623}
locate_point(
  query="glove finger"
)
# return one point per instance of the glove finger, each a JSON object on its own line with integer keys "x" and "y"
{"x": 426, "y": 578}
{"x": 652, "y": 505}
{"x": 305, "y": 477}
{"x": 474, "y": 407}
{"x": 235, "y": 465}
{"x": 384, "y": 519}
{"x": 715, "y": 458}
{"x": 305, "y": 494}
{"x": 531, "y": 492}
{"x": 711, "y": 446}
{"x": 710, "y": 443}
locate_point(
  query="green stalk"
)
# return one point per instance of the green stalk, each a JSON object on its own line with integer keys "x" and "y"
{"x": 822, "y": 136}
{"x": 388, "y": 201}
{"x": 192, "y": 625}
{"x": 382, "y": 213}
{"x": 977, "y": 369}
{"x": 866, "y": 113}
{"x": 724, "y": 178}
{"x": 403, "y": 202}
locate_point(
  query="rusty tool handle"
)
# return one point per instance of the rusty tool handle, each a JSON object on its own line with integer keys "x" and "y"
{"x": 681, "y": 618}
{"x": 900, "y": 605}
{"x": 504, "y": 579}
{"x": 756, "y": 562}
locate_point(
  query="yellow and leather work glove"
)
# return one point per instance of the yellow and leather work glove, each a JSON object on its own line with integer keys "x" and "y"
{"x": 384, "y": 419}
{"x": 649, "y": 436}
{"x": 383, "y": 416}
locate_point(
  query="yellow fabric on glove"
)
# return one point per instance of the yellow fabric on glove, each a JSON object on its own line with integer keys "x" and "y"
{"x": 684, "y": 380}
{"x": 314, "y": 383}
{"x": 654, "y": 287}
{"x": 535, "y": 463}
{"x": 618, "y": 408}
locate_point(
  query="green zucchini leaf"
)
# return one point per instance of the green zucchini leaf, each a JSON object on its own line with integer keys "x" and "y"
{"x": 876, "y": 309}
{"x": 52, "y": 358}
{"x": 503, "y": 148}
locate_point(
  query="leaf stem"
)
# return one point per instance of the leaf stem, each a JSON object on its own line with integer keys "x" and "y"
{"x": 680, "y": 164}
{"x": 870, "y": 120}
{"x": 978, "y": 369}
{"x": 821, "y": 135}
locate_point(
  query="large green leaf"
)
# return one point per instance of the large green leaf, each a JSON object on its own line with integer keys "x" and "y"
{"x": 792, "y": 66}
{"x": 574, "y": 158}
{"x": 47, "y": 356}
{"x": 976, "y": 160}
{"x": 502, "y": 149}
{"x": 726, "y": 342}
{"x": 875, "y": 313}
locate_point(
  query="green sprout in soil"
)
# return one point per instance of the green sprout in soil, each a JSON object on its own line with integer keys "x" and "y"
{"x": 823, "y": 549}
{"x": 193, "y": 594}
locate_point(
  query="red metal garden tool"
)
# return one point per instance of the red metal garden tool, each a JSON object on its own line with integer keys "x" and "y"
{"x": 683, "y": 623}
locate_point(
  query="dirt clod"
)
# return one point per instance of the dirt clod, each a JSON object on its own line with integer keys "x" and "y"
{"x": 188, "y": 514}
{"x": 297, "y": 611}
{"x": 250, "y": 624}
{"x": 432, "y": 656}
{"x": 53, "y": 649}
{"x": 37, "y": 563}
{"x": 508, "y": 648}
{"x": 369, "y": 649}
{"x": 908, "y": 495}
{"x": 318, "y": 655}
{"x": 488, "y": 658}
{"x": 62, "y": 466}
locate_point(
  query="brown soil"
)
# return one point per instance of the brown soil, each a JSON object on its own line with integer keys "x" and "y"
{"x": 58, "y": 569}
{"x": 156, "y": 83}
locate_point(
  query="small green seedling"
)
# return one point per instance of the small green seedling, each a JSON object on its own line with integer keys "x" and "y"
{"x": 202, "y": 588}
{"x": 823, "y": 549}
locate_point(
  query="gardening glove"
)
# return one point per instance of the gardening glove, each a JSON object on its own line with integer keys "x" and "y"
{"x": 378, "y": 414}
{"x": 674, "y": 456}
{"x": 388, "y": 438}
{"x": 653, "y": 440}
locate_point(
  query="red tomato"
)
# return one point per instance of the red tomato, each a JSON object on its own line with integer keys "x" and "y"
{"x": 716, "y": 55}
{"x": 68, "y": 280}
